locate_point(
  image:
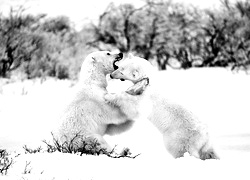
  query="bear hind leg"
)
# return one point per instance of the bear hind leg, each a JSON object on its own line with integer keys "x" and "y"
{"x": 174, "y": 146}
{"x": 204, "y": 152}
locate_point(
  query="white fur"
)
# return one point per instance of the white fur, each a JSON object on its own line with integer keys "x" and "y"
{"x": 182, "y": 131}
{"x": 88, "y": 115}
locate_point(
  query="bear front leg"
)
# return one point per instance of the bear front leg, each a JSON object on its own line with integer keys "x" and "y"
{"x": 138, "y": 88}
{"x": 128, "y": 104}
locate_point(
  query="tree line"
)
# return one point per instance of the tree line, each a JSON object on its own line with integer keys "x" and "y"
{"x": 40, "y": 46}
{"x": 170, "y": 34}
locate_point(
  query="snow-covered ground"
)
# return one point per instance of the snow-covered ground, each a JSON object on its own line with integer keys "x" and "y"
{"x": 220, "y": 98}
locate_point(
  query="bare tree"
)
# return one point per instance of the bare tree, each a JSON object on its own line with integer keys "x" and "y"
{"x": 117, "y": 27}
{"x": 18, "y": 42}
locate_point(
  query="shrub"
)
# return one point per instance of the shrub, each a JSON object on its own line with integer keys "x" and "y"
{"x": 87, "y": 146}
{"x": 5, "y": 162}
{"x": 62, "y": 72}
{"x": 31, "y": 151}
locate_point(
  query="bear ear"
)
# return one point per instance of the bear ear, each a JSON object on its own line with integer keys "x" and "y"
{"x": 130, "y": 55}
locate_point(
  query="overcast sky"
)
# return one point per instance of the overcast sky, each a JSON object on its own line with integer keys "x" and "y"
{"x": 80, "y": 10}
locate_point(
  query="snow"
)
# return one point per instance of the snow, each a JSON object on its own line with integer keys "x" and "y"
{"x": 220, "y": 98}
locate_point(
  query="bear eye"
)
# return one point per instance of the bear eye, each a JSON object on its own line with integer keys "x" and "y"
{"x": 108, "y": 54}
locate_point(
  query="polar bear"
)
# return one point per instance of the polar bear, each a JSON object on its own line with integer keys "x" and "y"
{"x": 87, "y": 115}
{"x": 182, "y": 131}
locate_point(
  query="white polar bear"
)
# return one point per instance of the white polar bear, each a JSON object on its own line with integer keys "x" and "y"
{"x": 87, "y": 115}
{"x": 182, "y": 131}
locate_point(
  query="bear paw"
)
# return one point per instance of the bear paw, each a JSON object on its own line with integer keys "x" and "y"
{"x": 110, "y": 98}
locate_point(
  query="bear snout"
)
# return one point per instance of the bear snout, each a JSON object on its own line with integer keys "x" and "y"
{"x": 111, "y": 76}
{"x": 120, "y": 55}
{"x": 117, "y": 58}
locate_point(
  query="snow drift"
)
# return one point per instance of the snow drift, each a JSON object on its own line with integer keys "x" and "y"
{"x": 220, "y": 98}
